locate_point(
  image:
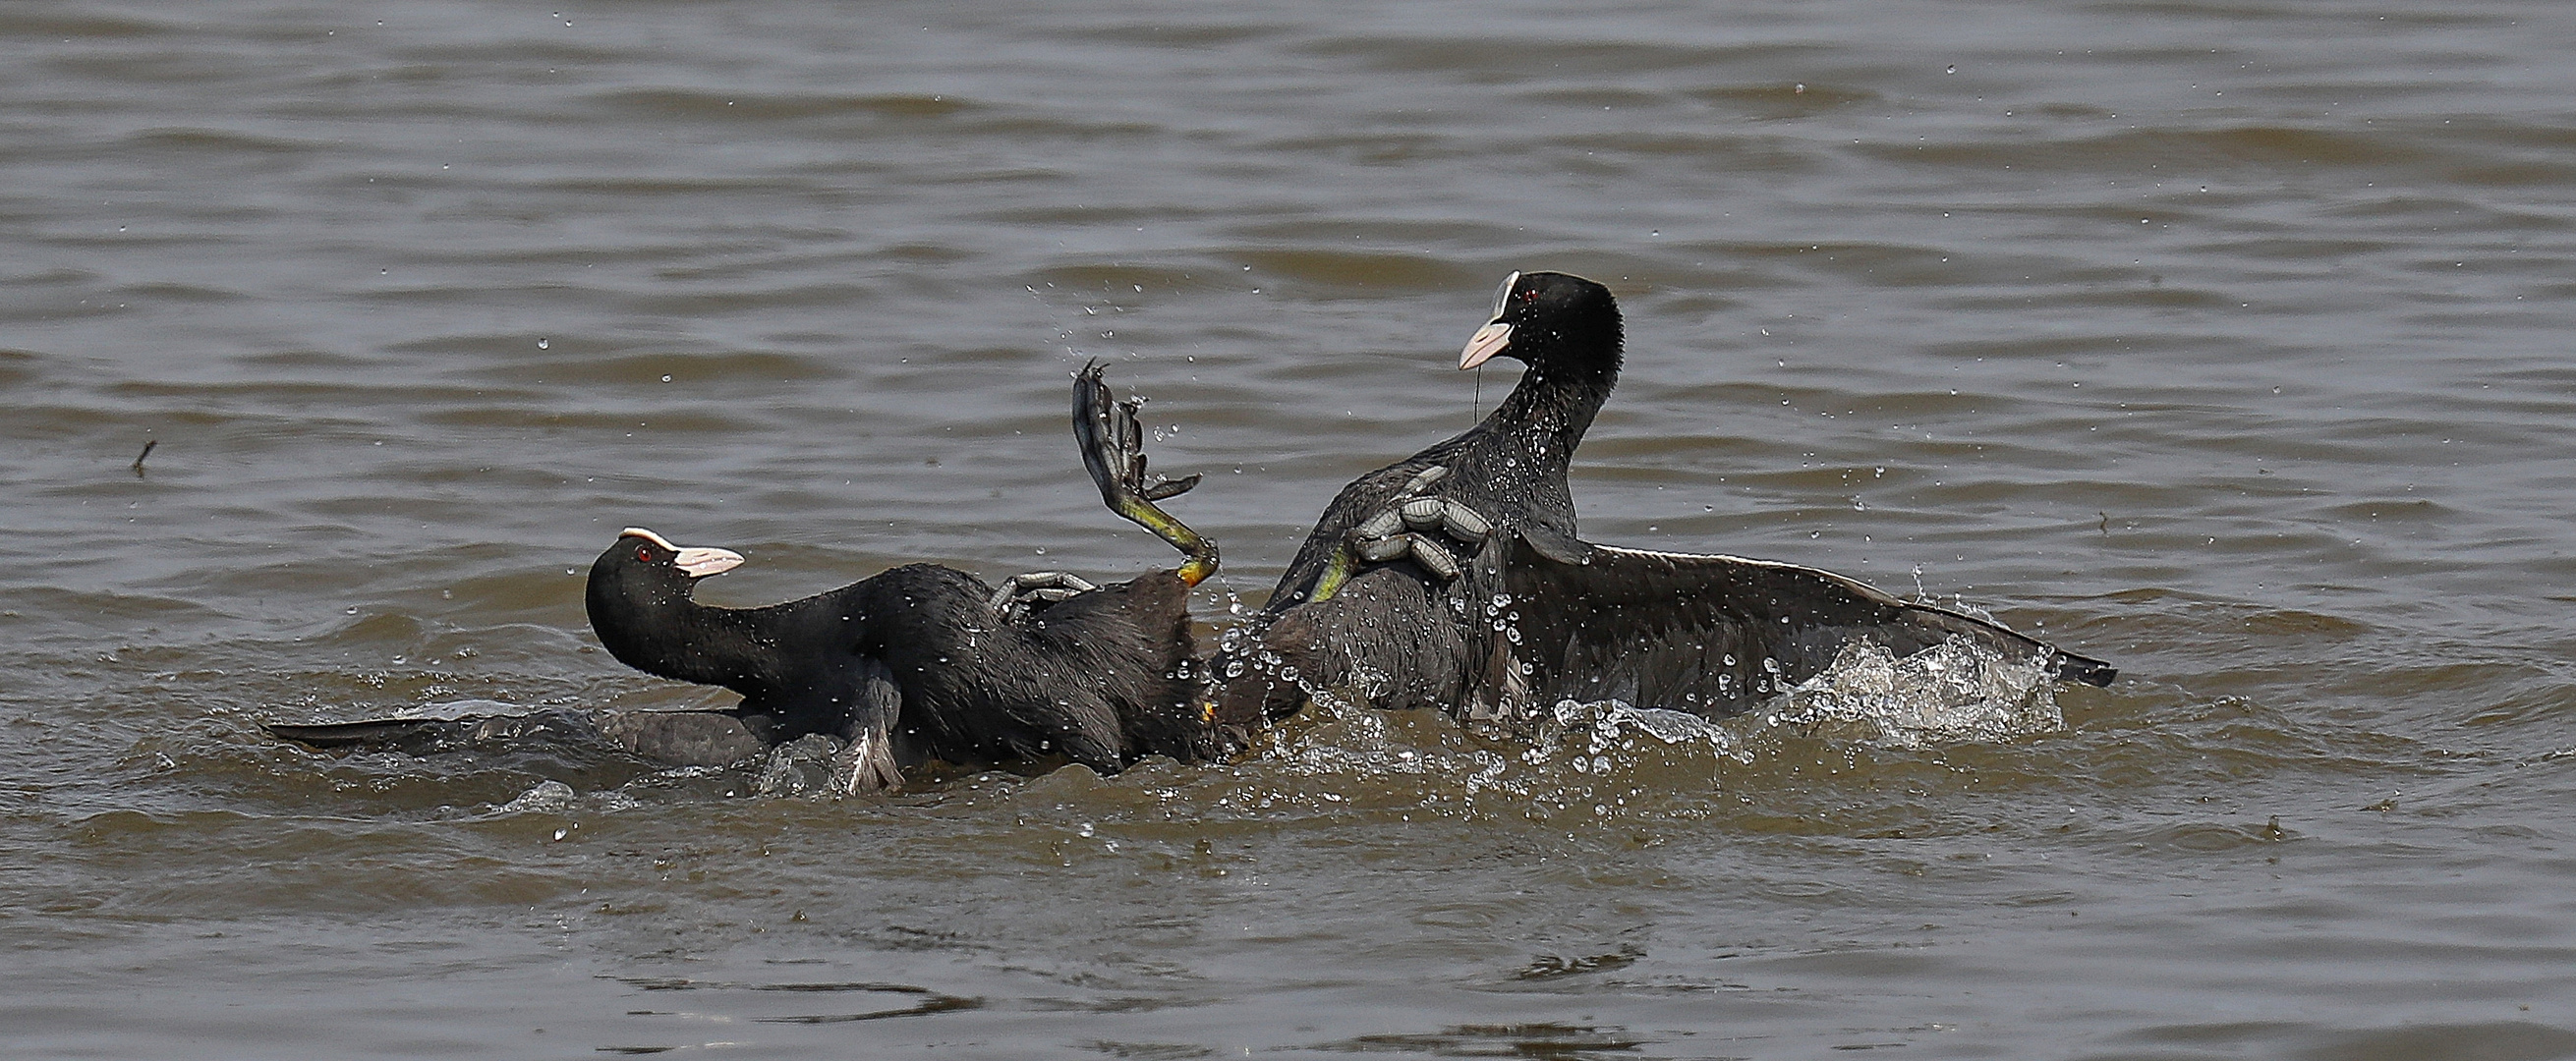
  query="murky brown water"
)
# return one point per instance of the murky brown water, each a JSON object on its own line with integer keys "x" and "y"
{"x": 2224, "y": 340}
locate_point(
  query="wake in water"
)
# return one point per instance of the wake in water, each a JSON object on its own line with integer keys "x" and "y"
{"x": 1605, "y": 755}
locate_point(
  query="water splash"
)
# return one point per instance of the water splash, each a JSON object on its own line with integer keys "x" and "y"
{"x": 1954, "y": 691}
{"x": 1604, "y": 724}
{"x": 546, "y": 797}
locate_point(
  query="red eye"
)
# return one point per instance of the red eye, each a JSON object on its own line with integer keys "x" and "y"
{"x": 643, "y": 555}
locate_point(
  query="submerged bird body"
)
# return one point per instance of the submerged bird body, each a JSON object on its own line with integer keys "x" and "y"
{"x": 923, "y": 662}
{"x": 914, "y": 664}
{"x": 918, "y": 654}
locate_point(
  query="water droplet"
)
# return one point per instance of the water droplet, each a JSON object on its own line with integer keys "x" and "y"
{"x": 543, "y": 343}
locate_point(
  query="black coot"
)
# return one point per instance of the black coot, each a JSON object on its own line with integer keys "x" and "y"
{"x": 1510, "y": 468}
{"x": 1455, "y": 578}
{"x": 932, "y": 657}
{"x": 1344, "y": 616}
{"x": 917, "y": 663}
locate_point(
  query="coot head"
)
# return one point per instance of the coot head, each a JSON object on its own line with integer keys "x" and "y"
{"x": 645, "y": 568}
{"x": 1554, "y": 322}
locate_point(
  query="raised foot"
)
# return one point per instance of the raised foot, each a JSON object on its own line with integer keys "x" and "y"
{"x": 1113, "y": 451}
{"x": 1113, "y": 443}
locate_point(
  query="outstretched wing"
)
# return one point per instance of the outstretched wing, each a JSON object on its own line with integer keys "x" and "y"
{"x": 1710, "y": 635}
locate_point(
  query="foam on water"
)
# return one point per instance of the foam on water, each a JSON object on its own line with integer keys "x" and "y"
{"x": 1951, "y": 692}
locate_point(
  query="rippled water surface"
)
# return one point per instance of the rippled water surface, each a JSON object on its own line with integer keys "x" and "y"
{"x": 2228, "y": 341}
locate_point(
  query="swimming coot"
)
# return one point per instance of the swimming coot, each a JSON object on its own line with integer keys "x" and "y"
{"x": 1372, "y": 603}
{"x": 1509, "y": 468}
{"x": 1455, "y": 577}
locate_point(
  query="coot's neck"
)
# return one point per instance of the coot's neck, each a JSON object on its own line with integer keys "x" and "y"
{"x": 665, "y": 633}
{"x": 1558, "y": 402}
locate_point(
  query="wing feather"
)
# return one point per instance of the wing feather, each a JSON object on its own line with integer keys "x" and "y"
{"x": 1709, "y": 634}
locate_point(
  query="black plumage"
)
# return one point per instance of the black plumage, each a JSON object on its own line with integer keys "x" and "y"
{"x": 914, "y": 664}
{"x": 919, "y": 655}
{"x": 923, "y": 662}
{"x": 1511, "y": 466}
{"x": 1395, "y": 633}
{"x": 1707, "y": 634}
{"x": 1538, "y": 614}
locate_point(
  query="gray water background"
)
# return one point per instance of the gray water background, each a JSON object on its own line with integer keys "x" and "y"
{"x": 2226, "y": 340}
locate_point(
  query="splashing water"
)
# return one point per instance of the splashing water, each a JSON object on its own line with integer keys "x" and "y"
{"x": 1954, "y": 691}
{"x": 546, "y": 797}
{"x": 1604, "y": 723}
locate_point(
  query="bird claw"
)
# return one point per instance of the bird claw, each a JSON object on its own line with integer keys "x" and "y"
{"x": 1113, "y": 451}
{"x": 1116, "y": 447}
{"x": 1433, "y": 558}
{"x": 1019, "y": 593}
{"x": 1168, "y": 487}
{"x": 1411, "y": 524}
{"x": 1431, "y": 555}
{"x": 1383, "y": 525}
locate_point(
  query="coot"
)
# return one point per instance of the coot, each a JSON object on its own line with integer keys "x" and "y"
{"x": 917, "y": 663}
{"x": 1455, "y": 577}
{"x": 1372, "y": 602}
